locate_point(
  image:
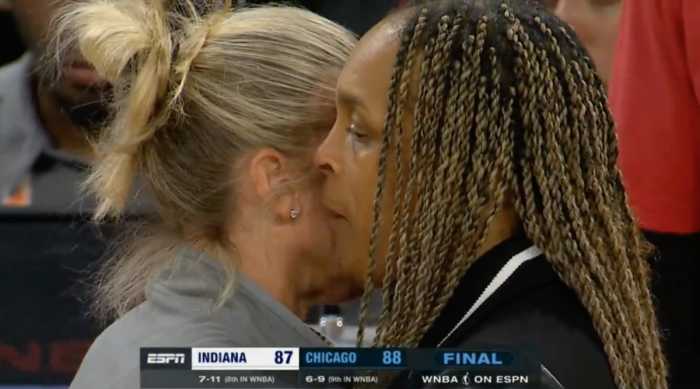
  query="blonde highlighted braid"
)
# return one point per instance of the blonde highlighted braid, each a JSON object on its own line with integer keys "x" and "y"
{"x": 508, "y": 106}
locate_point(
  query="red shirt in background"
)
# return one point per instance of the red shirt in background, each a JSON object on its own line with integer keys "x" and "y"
{"x": 654, "y": 96}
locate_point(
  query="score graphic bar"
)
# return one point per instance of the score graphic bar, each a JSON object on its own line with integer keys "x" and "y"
{"x": 352, "y": 358}
{"x": 285, "y": 367}
{"x": 245, "y": 358}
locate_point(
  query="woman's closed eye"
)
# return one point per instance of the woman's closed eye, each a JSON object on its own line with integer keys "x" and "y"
{"x": 356, "y": 133}
{"x": 358, "y": 138}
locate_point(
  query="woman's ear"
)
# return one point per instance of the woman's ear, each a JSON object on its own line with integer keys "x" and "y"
{"x": 266, "y": 171}
{"x": 270, "y": 173}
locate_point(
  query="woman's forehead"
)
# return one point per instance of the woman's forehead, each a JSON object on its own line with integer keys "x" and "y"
{"x": 374, "y": 59}
{"x": 379, "y": 45}
{"x": 366, "y": 77}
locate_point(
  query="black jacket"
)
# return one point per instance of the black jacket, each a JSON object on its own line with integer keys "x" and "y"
{"x": 532, "y": 310}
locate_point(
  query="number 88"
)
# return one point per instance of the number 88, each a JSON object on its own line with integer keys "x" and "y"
{"x": 391, "y": 357}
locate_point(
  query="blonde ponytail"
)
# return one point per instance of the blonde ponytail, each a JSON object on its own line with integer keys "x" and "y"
{"x": 196, "y": 85}
{"x": 129, "y": 44}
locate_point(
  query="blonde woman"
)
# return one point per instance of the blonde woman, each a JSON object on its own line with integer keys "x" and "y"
{"x": 218, "y": 113}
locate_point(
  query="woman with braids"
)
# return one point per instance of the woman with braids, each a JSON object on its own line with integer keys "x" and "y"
{"x": 471, "y": 170}
{"x": 218, "y": 112}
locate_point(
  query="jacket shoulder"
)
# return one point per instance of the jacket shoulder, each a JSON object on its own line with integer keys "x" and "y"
{"x": 548, "y": 321}
{"x": 10, "y": 73}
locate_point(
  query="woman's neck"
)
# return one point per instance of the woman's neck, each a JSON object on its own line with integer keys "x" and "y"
{"x": 281, "y": 289}
{"x": 505, "y": 225}
{"x": 269, "y": 267}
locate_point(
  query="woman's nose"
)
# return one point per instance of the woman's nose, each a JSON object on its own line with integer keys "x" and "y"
{"x": 324, "y": 158}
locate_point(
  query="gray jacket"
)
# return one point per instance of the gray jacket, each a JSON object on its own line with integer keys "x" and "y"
{"x": 178, "y": 312}
{"x": 22, "y": 137}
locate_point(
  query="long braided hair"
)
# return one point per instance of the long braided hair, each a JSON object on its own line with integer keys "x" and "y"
{"x": 508, "y": 108}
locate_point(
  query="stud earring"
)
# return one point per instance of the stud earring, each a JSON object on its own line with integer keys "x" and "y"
{"x": 294, "y": 213}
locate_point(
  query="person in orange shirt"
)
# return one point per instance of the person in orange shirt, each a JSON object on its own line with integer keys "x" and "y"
{"x": 657, "y": 124}
{"x": 655, "y": 98}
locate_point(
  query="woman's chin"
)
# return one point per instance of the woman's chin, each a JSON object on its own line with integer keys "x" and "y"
{"x": 341, "y": 291}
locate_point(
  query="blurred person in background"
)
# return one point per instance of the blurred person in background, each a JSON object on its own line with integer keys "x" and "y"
{"x": 218, "y": 112}
{"x": 655, "y": 98}
{"x": 46, "y": 246}
{"x": 596, "y": 24}
{"x": 45, "y": 128}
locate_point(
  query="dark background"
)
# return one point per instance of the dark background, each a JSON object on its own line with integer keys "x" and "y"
{"x": 356, "y": 15}
{"x": 10, "y": 44}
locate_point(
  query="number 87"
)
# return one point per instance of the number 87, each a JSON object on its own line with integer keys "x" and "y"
{"x": 283, "y": 357}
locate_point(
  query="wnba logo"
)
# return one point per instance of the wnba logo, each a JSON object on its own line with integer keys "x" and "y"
{"x": 465, "y": 379}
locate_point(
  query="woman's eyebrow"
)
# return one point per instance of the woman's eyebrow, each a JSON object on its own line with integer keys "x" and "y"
{"x": 350, "y": 99}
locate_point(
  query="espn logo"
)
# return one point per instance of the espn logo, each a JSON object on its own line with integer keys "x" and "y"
{"x": 165, "y": 358}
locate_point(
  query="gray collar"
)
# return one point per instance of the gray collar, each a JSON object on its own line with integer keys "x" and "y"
{"x": 282, "y": 313}
{"x": 195, "y": 280}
